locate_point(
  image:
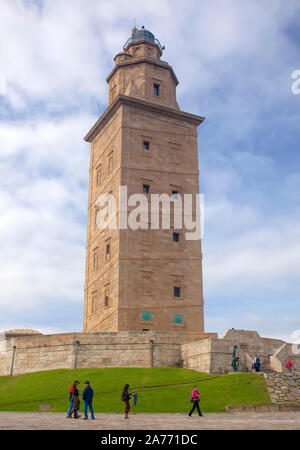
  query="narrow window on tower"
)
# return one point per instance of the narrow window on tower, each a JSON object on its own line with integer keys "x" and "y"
{"x": 146, "y": 145}
{"x": 146, "y": 283}
{"x": 113, "y": 92}
{"x": 110, "y": 164}
{"x": 106, "y": 300}
{"x": 178, "y": 318}
{"x": 156, "y": 90}
{"x": 136, "y": 51}
{"x": 95, "y": 258}
{"x": 107, "y": 251}
{"x": 177, "y": 292}
{"x": 176, "y": 237}
{"x": 175, "y": 155}
{"x": 96, "y": 215}
{"x": 146, "y": 188}
{"x": 146, "y": 315}
{"x": 98, "y": 175}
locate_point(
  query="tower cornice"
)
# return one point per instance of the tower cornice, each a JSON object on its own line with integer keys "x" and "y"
{"x": 153, "y": 61}
{"x": 146, "y": 105}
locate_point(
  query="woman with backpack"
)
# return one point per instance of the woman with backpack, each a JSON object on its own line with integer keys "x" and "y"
{"x": 195, "y": 401}
{"x": 70, "y": 399}
{"x": 125, "y": 397}
{"x": 75, "y": 400}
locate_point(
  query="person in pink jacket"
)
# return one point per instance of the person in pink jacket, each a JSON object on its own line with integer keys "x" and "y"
{"x": 195, "y": 401}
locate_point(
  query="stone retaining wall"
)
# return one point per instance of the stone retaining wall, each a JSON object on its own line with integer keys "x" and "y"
{"x": 197, "y": 355}
{"x": 121, "y": 349}
{"x": 202, "y": 352}
{"x": 283, "y": 388}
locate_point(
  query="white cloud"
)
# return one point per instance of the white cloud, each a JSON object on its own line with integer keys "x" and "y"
{"x": 43, "y": 190}
{"x": 2, "y": 84}
{"x": 64, "y": 54}
{"x": 244, "y": 253}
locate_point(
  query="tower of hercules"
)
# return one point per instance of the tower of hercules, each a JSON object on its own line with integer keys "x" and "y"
{"x": 142, "y": 279}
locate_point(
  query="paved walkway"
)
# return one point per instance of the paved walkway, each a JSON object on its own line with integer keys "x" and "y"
{"x": 212, "y": 421}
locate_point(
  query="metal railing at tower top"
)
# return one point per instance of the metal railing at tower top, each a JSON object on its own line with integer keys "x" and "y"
{"x": 134, "y": 40}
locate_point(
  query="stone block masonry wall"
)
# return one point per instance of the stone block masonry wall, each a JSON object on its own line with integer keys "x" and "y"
{"x": 221, "y": 356}
{"x": 250, "y": 343}
{"x": 207, "y": 355}
{"x": 215, "y": 355}
{"x": 202, "y": 352}
{"x": 197, "y": 355}
{"x": 121, "y": 349}
{"x": 5, "y": 358}
{"x": 36, "y": 353}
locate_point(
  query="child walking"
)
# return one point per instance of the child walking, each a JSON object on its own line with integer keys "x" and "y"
{"x": 135, "y": 397}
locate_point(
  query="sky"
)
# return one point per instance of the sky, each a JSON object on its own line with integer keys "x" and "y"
{"x": 234, "y": 60}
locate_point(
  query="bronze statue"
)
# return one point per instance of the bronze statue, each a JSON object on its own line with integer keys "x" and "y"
{"x": 235, "y": 359}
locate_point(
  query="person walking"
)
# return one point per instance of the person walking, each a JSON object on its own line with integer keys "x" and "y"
{"x": 257, "y": 364}
{"x": 125, "y": 398}
{"x": 135, "y": 397}
{"x": 87, "y": 397}
{"x": 70, "y": 410}
{"x": 75, "y": 401}
{"x": 289, "y": 365}
{"x": 70, "y": 400}
{"x": 195, "y": 401}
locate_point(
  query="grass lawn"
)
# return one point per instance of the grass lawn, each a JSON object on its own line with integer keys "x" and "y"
{"x": 27, "y": 392}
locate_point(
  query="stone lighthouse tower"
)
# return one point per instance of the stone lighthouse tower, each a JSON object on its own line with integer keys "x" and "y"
{"x": 145, "y": 278}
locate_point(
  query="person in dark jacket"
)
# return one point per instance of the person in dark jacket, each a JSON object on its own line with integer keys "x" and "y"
{"x": 257, "y": 364}
{"x": 125, "y": 398}
{"x": 87, "y": 396}
{"x": 70, "y": 410}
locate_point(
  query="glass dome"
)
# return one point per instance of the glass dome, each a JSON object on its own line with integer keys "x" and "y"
{"x": 142, "y": 36}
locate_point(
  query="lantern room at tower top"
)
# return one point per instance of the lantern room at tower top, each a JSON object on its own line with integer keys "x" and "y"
{"x": 142, "y": 36}
{"x": 136, "y": 64}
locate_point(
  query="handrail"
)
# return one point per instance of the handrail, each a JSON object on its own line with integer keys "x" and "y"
{"x": 132, "y": 40}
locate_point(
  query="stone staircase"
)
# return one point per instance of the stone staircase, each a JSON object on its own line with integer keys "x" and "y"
{"x": 277, "y": 361}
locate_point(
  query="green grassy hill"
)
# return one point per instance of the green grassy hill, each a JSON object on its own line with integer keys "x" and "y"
{"x": 154, "y": 387}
